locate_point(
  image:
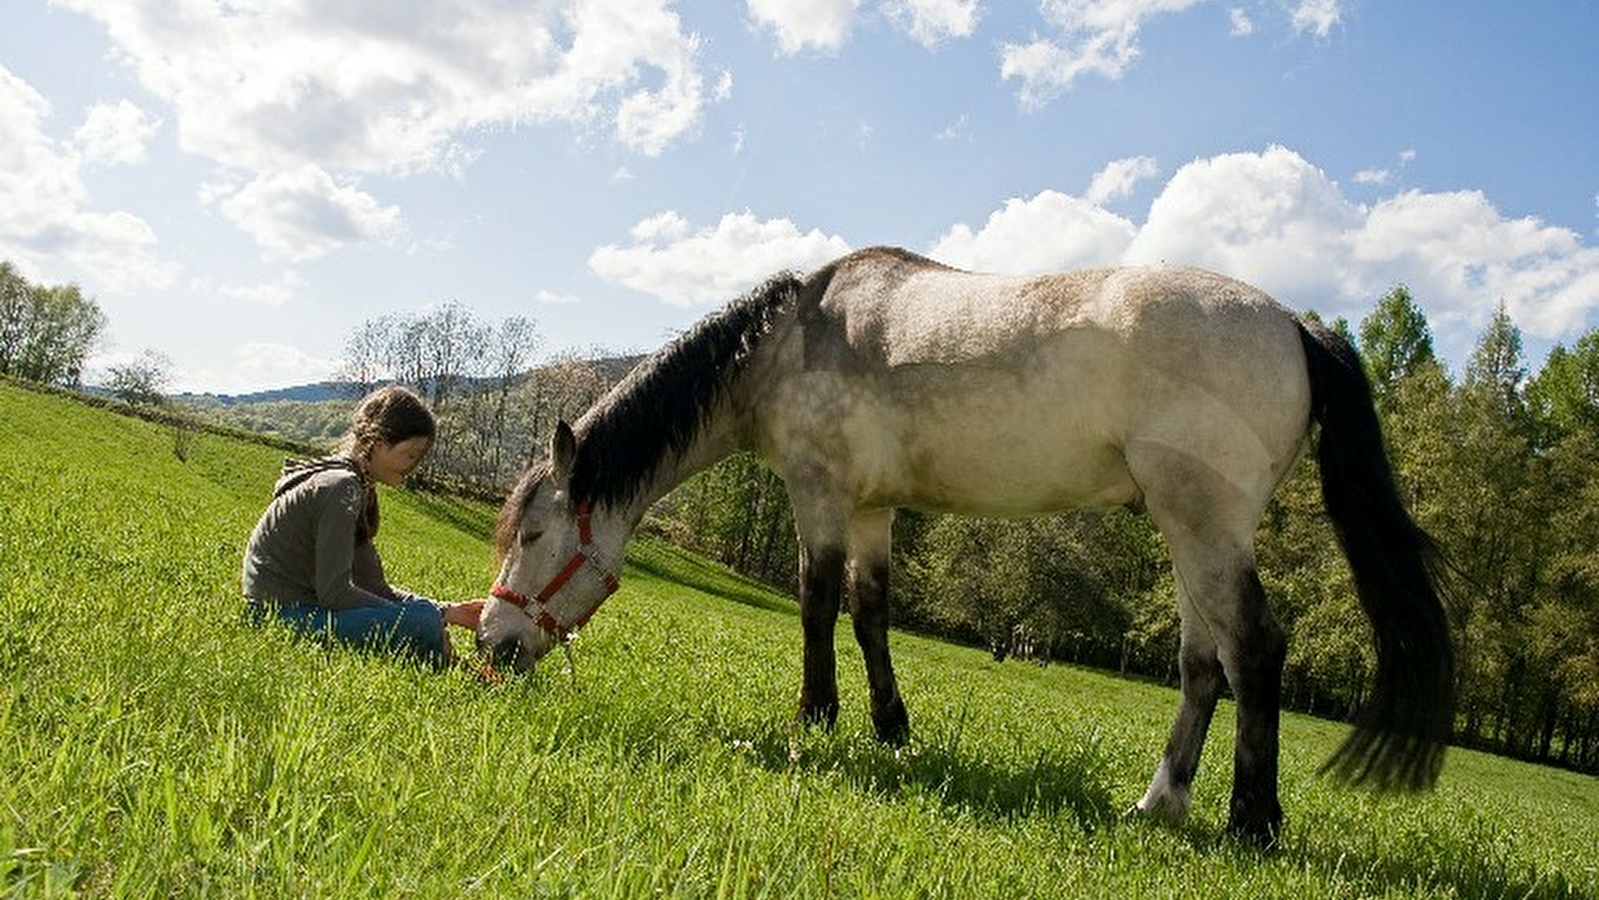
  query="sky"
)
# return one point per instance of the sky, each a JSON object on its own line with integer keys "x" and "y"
{"x": 241, "y": 184}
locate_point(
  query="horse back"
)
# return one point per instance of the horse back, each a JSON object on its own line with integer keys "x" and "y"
{"x": 912, "y": 383}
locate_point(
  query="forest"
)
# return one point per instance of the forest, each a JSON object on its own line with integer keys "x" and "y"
{"x": 1500, "y": 464}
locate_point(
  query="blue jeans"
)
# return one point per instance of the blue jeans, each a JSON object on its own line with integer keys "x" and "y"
{"x": 413, "y": 628}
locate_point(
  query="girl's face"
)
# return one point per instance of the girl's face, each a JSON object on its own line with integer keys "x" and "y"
{"x": 390, "y": 463}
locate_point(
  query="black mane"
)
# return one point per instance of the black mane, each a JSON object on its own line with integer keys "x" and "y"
{"x": 659, "y": 408}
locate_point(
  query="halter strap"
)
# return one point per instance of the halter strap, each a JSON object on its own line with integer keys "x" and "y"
{"x": 546, "y": 615}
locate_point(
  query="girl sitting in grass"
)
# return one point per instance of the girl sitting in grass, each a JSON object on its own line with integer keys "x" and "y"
{"x": 311, "y": 562}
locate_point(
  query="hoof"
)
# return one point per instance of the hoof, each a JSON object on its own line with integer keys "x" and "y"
{"x": 892, "y": 723}
{"x": 1260, "y": 827}
{"x": 813, "y": 713}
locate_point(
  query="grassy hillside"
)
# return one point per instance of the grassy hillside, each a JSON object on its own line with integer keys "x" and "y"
{"x": 153, "y": 744}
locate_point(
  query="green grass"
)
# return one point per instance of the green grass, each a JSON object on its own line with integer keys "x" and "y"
{"x": 152, "y": 744}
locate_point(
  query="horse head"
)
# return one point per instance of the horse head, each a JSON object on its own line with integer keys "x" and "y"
{"x": 559, "y": 562}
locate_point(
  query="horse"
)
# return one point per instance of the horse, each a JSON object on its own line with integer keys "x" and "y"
{"x": 885, "y": 379}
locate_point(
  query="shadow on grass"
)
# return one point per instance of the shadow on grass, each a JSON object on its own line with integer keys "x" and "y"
{"x": 470, "y": 517}
{"x": 1395, "y": 859}
{"x": 668, "y": 563}
{"x": 1421, "y": 862}
{"x": 1051, "y": 783}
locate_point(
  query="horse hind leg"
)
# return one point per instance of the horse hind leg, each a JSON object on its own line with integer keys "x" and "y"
{"x": 1209, "y": 524}
{"x": 1227, "y": 633}
{"x": 1169, "y": 795}
{"x": 870, "y": 543}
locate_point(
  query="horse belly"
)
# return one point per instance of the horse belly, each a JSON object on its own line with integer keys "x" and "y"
{"x": 998, "y": 442}
{"x": 1027, "y": 459}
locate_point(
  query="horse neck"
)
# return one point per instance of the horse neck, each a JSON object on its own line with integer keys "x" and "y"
{"x": 722, "y": 435}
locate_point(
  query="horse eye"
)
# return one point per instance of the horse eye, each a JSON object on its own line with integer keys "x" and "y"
{"x": 531, "y": 537}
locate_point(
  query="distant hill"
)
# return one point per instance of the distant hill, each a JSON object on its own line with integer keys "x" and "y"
{"x": 304, "y": 393}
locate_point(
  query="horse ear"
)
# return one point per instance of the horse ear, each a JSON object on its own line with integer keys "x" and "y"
{"x": 563, "y": 453}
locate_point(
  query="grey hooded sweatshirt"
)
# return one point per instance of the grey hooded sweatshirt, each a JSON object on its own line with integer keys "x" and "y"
{"x": 314, "y": 542}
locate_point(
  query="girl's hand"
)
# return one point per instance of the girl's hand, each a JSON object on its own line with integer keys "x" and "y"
{"x": 463, "y": 615}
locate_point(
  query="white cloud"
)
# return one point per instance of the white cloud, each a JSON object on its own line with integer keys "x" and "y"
{"x": 1456, "y": 249}
{"x": 383, "y": 88}
{"x": 269, "y": 293}
{"x": 545, "y": 297}
{"x": 47, "y": 211}
{"x": 799, "y": 25}
{"x": 114, "y": 134}
{"x": 1275, "y": 220}
{"x": 304, "y": 214}
{"x": 1242, "y": 25}
{"x": 1097, "y": 37}
{"x": 259, "y": 364}
{"x": 1101, "y": 37}
{"x": 1045, "y": 232}
{"x": 1373, "y": 176}
{"x": 1270, "y": 218}
{"x": 930, "y": 22}
{"x": 1119, "y": 177}
{"x": 273, "y": 90}
{"x": 1317, "y": 16}
{"x": 959, "y": 130}
{"x": 683, "y": 266}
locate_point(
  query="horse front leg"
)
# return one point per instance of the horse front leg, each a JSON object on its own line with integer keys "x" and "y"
{"x": 870, "y": 545}
{"x": 821, "y": 589}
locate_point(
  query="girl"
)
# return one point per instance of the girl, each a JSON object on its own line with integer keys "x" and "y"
{"x": 311, "y": 561}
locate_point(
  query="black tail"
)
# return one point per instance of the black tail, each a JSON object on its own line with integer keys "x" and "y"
{"x": 1399, "y": 738}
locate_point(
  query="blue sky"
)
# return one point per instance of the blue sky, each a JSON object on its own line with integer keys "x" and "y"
{"x": 241, "y": 184}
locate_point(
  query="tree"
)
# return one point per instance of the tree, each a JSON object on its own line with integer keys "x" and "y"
{"x": 366, "y": 354}
{"x": 46, "y": 333}
{"x": 1563, "y": 397}
{"x": 1394, "y": 341}
{"x": 143, "y": 381}
{"x": 1497, "y": 369}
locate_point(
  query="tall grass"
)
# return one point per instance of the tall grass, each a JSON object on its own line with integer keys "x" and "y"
{"x": 153, "y": 744}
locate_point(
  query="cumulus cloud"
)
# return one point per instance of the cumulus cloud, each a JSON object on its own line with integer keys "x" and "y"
{"x": 47, "y": 211}
{"x": 114, "y": 134}
{"x": 358, "y": 89}
{"x": 1242, "y": 25}
{"x": 1119, "y": 177}
{"x": 304, "y": 214}
{"x": 1045, "y": 232}
{"x": 799, "y": 25}
{"x": 1275, "y": 220}
{"x": 1318, "y": 17}
{"x": 684, "y": 265}
{"x": 277, "y": 292}
{"x": 1097, "y": 37}
{"x": 931, "y": 22}
{"x": 364, "y": 89}
{"x": 1101, "y": 38}
{"x": 1270, "y": 218}
{"x": 260, "y": 363}
{"x": 1459, "y": 250}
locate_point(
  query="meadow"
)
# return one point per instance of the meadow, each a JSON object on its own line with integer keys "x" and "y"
{"x": 153, "y": 743}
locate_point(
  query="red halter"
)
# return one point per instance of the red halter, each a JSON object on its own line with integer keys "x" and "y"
{"x": 548, "y": 617}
